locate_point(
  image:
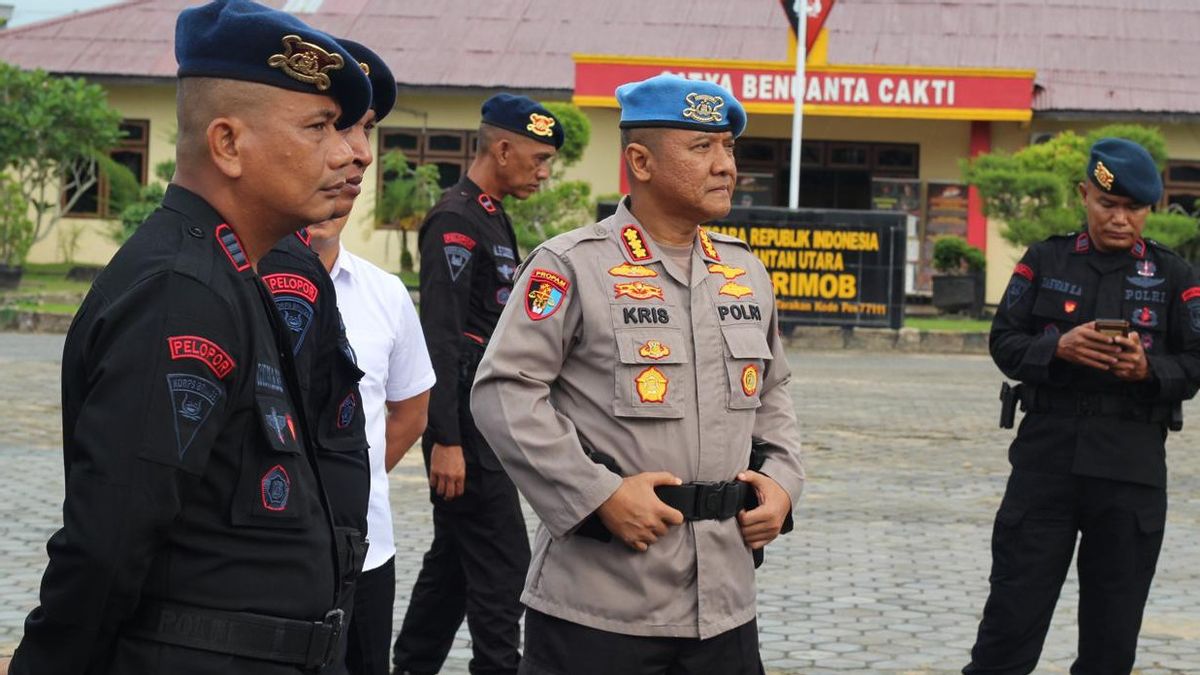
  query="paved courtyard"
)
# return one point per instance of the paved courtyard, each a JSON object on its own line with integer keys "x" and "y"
{"x": 885, "y": 573}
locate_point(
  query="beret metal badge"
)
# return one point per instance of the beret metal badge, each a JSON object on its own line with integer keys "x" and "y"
{"x": 1103, "y": 176}
{"x": 540, "y": 125}
{"x": 704, "y": 107}
{"x": 306, "y": 62}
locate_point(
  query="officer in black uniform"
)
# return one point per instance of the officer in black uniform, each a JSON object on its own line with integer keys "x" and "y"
{"x": 197, "y": 536}
{"x": 480, "y": 552}
{"x": 307, "y": 302}
{"x": 1089, "y": 457}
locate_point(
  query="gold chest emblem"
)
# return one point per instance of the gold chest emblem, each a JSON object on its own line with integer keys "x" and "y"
{"x": 306, "y": 62}
{"x": 632, "y": 271}
{"x": 704, "y": 107}
{"x": 730, "y": 273}
{"x": 651, "y": 385}
{"x": 750, "y": 380}
{"x": 1103, "y": 176}
{"x": 736, "y": 290}
{"x": 654, "y": 349}
{"x": 638, "y": 290}
{"x": 541, "y": 125}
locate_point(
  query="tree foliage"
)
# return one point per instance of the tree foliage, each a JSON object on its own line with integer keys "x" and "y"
{"x": 1033, "y": 189}
{"x": 405, "y": 196}
{"x": 16, "y": 228}
{"x": 55, "y": 134}
{"x": 559, "y": 205}
{"x": 136, "y": 202}
{"x": 953, "y": 255}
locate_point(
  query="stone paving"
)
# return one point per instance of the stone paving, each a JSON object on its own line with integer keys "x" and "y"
{"x": 886, "y": 571}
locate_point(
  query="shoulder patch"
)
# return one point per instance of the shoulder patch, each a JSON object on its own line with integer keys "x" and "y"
{"x": 292, "y": 284}
{"x": 545, "y": 293}
{"x": 232, "y": 246}
{"x": 1191, "y": 293}
{"x": 201, "y": 349}
{"x": 192, "y": 400}
{"x": 1023, "y": 270}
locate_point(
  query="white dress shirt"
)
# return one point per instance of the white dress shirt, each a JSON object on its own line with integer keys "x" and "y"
{"x": 385, "y": 333}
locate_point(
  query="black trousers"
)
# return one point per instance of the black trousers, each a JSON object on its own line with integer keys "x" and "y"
{"x": 475, "y": 567}
{"x": 1120, "y": 530}
{"x": 557, "y": 647}
{"x": 369, "y": 635}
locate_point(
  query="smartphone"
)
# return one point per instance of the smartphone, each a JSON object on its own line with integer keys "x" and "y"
{"x": 1112, "y": 327}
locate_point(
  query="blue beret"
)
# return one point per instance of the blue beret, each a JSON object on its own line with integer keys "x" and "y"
{"x": 1122, "y": 167}
{"x": 243, "y": 40}
{"x": 383, "y": 83}
{"x": 524, "y": 116}
{"x": 672, "y": 101}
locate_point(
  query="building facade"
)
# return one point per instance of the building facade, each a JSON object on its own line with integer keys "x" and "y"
{"x": 896, "y": 95}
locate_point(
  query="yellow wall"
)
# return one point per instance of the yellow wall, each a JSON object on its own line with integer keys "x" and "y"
{"x": 142, "y": 102}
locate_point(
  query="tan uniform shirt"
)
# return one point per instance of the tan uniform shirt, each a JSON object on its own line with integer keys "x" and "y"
{"x": 602, "y": 343}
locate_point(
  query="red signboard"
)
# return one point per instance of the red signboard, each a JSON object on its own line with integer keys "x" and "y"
{"x": 844, "y": 91}
{"x": 818, "y": 11}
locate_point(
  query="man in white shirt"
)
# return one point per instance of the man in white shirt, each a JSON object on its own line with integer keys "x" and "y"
{"x": 385, "y": 334}
{"x": 389, "y": 347}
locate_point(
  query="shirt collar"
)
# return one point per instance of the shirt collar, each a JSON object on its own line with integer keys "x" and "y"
{"x": 344, "y": 263}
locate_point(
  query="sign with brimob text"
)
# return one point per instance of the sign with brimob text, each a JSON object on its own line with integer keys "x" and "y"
{"x": 828, "y": 267}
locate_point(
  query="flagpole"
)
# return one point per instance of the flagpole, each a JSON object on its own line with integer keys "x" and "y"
{"x": 801, "y": 9}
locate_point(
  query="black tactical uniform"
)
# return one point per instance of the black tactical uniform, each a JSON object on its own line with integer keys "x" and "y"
{"x": 328, "y": 376}
{"x": 477, "y": 562}
{"x": 192, "y": 493}
{"x": 1089, "y": 456}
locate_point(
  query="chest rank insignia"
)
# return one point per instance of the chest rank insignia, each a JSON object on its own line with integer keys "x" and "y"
{"x": 1103, "y": 176}
{"x": 306, "y": 62}
{"x": 704, "y": 107}
{"x": 730, "y": 273}
{"x": 654, "y": 349}
{"x": 638, "y": 290}
{"x": 706, "y": 245}
{"x": 635, "y": 243}
{"x": 632, "y": 271}
{"x": 750, "y": 380}
{"x": 541, "y": 125}
{"x": 736, "y": 290}
{"x": 651, "y": 385}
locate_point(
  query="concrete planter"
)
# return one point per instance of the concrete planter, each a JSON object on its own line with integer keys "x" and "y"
{"x": 959, "y": 292}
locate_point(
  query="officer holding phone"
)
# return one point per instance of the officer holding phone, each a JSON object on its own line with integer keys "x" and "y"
{"x": 1102, "y": 328}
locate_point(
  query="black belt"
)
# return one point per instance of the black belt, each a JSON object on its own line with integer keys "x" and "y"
{"x": 1067, "y": 402}
{"x": 310, "y": 644}
{"x": 704, "y": 500}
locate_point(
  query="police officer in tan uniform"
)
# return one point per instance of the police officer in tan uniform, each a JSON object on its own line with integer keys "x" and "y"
{"x": 652, "y": 345}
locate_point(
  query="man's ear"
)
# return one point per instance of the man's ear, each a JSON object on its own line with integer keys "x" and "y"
{"x": 638, "y": 161}
{"x": 502, "y": 150}
{"x": 1083, "y": 192}
{"x": 226, "y": 137}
